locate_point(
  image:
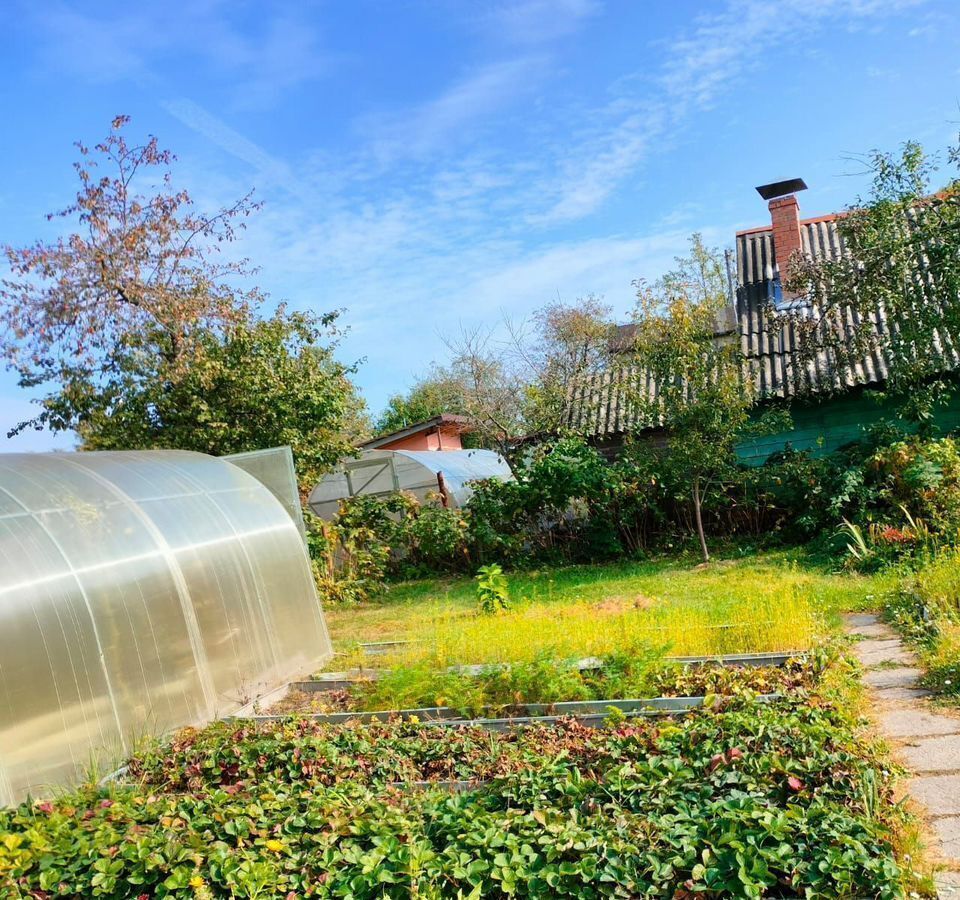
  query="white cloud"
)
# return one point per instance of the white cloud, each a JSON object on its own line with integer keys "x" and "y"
{"x": 270, "y": 169}
{"x": 591, "y": 173}
{"x": 706, "y": 61}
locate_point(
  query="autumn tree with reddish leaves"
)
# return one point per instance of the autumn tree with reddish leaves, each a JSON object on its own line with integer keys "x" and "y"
{"x": 139, "y": 330}
{"x": 143, "y": 274}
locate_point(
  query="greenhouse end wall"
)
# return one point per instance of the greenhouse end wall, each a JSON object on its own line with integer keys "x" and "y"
{"x": 378, "y": 473}
{"x": 139, "y": 591}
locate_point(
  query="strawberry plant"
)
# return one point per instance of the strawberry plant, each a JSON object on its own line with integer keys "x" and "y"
{"x": 744, "y": 799}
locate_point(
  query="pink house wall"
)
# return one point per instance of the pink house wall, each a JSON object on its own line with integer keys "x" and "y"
{"x": 443, "y": 438}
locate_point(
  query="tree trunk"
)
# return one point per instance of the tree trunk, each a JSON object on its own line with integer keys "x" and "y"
{"x": 699, "y": 518}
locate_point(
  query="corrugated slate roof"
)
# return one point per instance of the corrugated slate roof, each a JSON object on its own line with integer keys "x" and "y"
{"x": 770, "y": 343}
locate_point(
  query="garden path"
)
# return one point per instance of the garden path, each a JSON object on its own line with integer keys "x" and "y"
{"x": 927, "y": 740}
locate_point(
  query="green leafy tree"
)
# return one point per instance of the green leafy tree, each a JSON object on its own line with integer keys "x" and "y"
{"x": 258, "y": 383}
{"x": 903, "y": 260}
{"x": 688, "y": 378}
{"x": 436, "y": 393}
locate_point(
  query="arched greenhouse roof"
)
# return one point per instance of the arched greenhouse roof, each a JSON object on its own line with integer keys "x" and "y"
{"x": 382, "y": 472}
{"x": 139, "y": 591}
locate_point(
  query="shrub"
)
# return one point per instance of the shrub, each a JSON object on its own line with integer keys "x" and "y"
{"x": 554, "y": 510}
{"x": 349, "y": 564}
{"x": 373, "y": 538}
{"x": 921, "y": 477}
{"x": 436, "y": 540}
{"x": 568, "y": 504}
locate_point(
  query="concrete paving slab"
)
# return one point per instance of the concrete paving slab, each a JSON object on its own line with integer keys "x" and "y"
{"x": 948, "y": 884}
{"x": 940, "y": 794}
{"x": 947, "y": 829}
{"x": 902, "y": 658}
{"x": 910, "y": 722}
{"x": 903, "y": 677}
{"x": 877, "y": 645}
{"x": 875, "y": 632}
{"x": 933, "y": 754}
{"x": 906, "y": 695}
{"x": 855, "y": 620}
{"x": 871, "y": 653}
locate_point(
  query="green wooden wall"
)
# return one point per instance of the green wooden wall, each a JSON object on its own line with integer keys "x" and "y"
{"x": 826, "y": 426}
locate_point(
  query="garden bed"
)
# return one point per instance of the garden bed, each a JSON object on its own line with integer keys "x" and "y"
{"x": 592, "y": 712}
{"x": 744, "y": 799}
{"x": 331, "y": 681}
{"x": 537, "y": 688}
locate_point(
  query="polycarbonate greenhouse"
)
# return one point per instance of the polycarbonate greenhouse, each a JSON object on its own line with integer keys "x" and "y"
{"x": 139, "y": 591}
{"x": 381, "y": 472}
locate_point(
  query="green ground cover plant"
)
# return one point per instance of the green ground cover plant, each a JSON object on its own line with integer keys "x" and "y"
{"x": 745, "y": 800}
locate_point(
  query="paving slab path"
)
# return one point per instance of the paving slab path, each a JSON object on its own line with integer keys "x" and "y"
{"x": 926, "y": 739}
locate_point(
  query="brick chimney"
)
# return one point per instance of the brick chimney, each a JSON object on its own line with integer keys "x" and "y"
{"x": 785, "y": 217}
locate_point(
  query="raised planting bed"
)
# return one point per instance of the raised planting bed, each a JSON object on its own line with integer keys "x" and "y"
{"x": 747, "y": 799}
{"x": 536, "y": 688}
{"x": 591, "y": 712}
{"x": 333, "y": 681}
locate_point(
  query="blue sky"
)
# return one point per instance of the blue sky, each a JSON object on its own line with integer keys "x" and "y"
{"x": 426, "y": 164}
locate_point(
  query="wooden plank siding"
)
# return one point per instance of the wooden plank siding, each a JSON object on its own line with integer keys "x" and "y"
{"x": 826, "y": 426}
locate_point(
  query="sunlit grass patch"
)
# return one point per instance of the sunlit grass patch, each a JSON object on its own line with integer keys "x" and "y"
{"x": 756, "y": 621}
{"x": 764, "y": 603}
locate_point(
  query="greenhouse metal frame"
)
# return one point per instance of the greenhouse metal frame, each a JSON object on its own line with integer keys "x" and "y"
{"x": 379, "y": 473}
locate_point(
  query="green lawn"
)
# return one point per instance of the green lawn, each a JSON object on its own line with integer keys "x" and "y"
{"x": 671, "y": 596}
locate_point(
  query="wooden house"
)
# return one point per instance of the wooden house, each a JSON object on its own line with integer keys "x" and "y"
{"x": 828, "y": 409}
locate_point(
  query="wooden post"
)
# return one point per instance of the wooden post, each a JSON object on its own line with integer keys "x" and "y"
{"x": 442, "y": 486}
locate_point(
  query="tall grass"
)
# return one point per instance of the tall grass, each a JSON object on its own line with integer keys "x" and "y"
{"x": 938, "y": 584}
{"x": 767, "y": 602}
{"x": 756, "y": 621}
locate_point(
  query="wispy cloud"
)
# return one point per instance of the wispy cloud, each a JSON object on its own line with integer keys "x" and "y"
{"x": 140, "y": 42}
{"x": 445, "y": 121}
{"x": 589, "y": 173}
{"x": 715, "y": 54}
{"x": 701, "y": 64}
{"x": 269, "y": 170}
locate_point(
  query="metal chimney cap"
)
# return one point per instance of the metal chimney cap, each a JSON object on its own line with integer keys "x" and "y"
{"x": 781, "y": 188}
